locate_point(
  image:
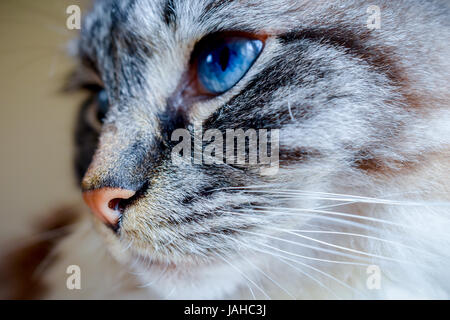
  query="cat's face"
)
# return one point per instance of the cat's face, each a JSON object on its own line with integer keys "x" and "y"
{"x": 334, "y": 89}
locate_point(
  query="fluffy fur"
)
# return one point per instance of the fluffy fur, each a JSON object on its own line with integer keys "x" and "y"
{"x": 364, "y": 125}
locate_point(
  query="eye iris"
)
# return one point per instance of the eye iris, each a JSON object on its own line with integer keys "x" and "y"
{"x": 102, "y": 105}
{"x": 220, "y": 68}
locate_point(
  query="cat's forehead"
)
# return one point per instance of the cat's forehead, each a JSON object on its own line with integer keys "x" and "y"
{"x": 152, "y": 18}
{"x": 129, "y": 42}
{"x": 151, "y": 13}
{"x": 157, "y": 20}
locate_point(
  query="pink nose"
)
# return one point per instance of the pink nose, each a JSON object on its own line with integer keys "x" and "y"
{"x": 105, "y": 203}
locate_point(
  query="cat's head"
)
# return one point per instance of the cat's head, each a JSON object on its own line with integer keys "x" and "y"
{"x": 343, "y": 97}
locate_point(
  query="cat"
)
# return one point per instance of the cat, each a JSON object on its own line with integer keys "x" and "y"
{"x": 359, "y": 205}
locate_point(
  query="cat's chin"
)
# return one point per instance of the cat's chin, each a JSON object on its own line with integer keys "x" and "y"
{"x": 190, "y": 281}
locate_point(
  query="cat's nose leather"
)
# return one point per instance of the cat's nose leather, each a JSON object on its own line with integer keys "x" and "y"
{"x": 104, "y": 203}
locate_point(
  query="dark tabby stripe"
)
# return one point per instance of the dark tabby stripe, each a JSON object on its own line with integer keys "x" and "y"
{"x": 169, "y": 13}
{"x": 380, "y": 58}
{"x": 383, "y": 59}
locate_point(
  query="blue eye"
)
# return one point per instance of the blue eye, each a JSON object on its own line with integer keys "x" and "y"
{"x": 221, "y": 67}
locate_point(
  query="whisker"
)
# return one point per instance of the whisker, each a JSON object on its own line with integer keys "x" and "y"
{"x": 311, "y": 267}
{"x": 310, "y": 277}
{"x": 312, "y": 247}
{"x": 312, "y": 216}
{"x": 334, "y": 196}
{"x": 331, "y": 245}
{"x": 266, "y": 275}
{"x": 342, "y": 214}
{"x": 349, "y": 249}
{"x": 243, "y": 274}
{"x": 170, "y": 293}
{"x": 355, "y": 235}
{"x": 285, "y": 262}
{"x": 297, "y": 214}
{"x": 334, "y": 252}
{"x": 251, "y": 291}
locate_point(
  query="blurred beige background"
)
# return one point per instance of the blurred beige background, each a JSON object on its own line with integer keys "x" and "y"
{"x": 36, "y": 119}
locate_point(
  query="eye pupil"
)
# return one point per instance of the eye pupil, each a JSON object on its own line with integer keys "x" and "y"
{"x": 224, "y": 58}
{"x": 102, "y": 105}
